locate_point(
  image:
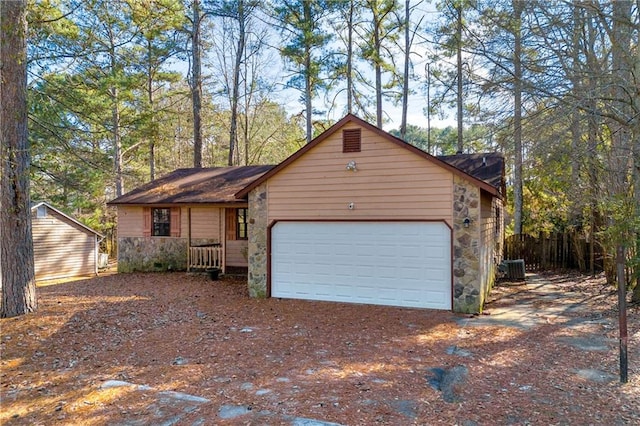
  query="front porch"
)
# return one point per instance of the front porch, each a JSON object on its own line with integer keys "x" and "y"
{"x": 206, "y": 256}
{"x": 211, "y": 256}
{"x": 207, "y": 237}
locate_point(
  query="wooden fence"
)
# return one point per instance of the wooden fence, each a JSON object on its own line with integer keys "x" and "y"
{"x": 556, "y": 251}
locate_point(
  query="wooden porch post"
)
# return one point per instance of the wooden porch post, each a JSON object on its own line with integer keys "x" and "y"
{"x": 223, "y": 239}
{"x": 188, "y": 239}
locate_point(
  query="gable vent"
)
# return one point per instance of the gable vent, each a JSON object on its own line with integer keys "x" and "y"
{"x": 351, "y": 140}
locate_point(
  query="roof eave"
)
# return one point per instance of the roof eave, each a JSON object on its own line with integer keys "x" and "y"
{"x": 177, "y": 203}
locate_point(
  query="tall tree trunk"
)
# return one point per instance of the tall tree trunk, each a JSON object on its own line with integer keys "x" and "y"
{"x": 517, "y": 115}
{"x": 576, "y": 115}
{"x": 636, "y": 168}
{"x": 233, "y": 128}
{"x": 593, "y": 126}
{"x": 153, "y": 133}
{"x": 117, "y": 141}
{"x": 307, "y": 101}
{"x": 308, "y": 84}
{"x": 350, "y": 58}
{"x": 115, "y": 120}
{"x": 459, "y": 79}
{"x": 377, "y": 68}
{"x": 16, "y": 244}
{"x": 428, "y": 70}
{"x": 405, "y": 76}
{"x": 621, "y": 76}
{"x": 196, "y": 85}
{"x": 245, "y": 135}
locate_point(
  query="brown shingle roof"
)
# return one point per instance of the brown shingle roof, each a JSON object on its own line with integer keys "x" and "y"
{"x": 488, "y": 167}
{"x": 194, "y": 186}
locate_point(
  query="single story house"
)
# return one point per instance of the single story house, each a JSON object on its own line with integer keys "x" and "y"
{"x": 189, "y": 219}
{"x": 62, "y": 246}
{"x": 357, "y": 215}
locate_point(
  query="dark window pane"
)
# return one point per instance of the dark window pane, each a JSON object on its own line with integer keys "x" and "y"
{"x": 161, "y": 226}
{"x": 241, "y": 232}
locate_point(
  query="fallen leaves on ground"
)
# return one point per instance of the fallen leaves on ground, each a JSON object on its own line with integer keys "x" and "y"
{"x": 344, "y": 363}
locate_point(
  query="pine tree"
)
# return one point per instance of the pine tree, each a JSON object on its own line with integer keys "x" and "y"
{"x": 16, "y": 246}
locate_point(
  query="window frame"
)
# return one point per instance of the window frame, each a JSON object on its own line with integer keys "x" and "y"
{"x": 242, "y": 231}
{"x": 155, "y": 232}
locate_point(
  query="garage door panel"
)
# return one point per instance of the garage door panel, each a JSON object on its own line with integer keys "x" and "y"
{"x": 388, "y": 263}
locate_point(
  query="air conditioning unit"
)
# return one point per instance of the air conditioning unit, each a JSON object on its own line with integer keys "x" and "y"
{"x": 103, "y": 260}
{"x": 514, "y": 269}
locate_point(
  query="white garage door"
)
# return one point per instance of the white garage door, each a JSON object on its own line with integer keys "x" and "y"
{"x": 382, "y": 263}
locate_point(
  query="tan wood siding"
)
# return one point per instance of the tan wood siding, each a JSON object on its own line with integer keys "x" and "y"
{"x": 62, "y": 248}
{"x": 490, "y": 244}
{"x": 205, "y": 223}
{"x": 487, "y": 226}
{"x": 236, "y": 253}
{"x": 390, "y": 183}
{"x": 130, "y": 221}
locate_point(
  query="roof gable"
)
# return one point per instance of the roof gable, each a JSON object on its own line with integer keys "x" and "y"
{"x": 350, "y": 118}
{"x": 34, "y": 206}
{"x": 194, "y": 186}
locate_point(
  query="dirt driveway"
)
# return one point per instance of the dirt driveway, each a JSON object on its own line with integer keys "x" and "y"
{"x": 138, "y": 349}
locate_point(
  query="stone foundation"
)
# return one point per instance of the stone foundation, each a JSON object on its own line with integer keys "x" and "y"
{"x": 152, "y": 254}
{"x": 258, "y": 229}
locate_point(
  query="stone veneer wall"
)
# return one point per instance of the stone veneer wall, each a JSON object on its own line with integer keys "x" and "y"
{"x": 152, "y": 254}
{"x": 467, "y": 282}
{"x": 258, "y": 217}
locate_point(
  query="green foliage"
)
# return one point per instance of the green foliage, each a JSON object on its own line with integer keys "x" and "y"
{"x": 273, "y": 135}
{"x": 306, "y": 37}
{"x": 444, "y": 141}
{"x": 622, "y": 229}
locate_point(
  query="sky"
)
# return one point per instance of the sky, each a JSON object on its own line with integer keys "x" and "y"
{"x": 392, "y": 113}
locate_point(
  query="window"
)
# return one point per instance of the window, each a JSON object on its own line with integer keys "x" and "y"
{"x": 241, "y": 230}
{"x": 161, "y": 222}
{"x": 351, "y": 140}
{"x": 237, "y": 224}
{"x": 161, "y": 226}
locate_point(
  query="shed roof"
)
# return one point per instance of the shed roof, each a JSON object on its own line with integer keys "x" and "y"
{"x": 350, "y": 118}
{"x": 216, "y": 185}
{"x": 37, "y": 204}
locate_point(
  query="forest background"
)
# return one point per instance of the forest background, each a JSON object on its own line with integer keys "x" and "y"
{"x": 123, "y": 91}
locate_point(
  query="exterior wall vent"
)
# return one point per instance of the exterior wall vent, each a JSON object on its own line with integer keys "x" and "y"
{"x": 351, "y": 139}
{"x": 41, "y": 212}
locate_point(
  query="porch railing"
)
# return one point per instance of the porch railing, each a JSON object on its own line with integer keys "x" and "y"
{"x": 205, "y": 257}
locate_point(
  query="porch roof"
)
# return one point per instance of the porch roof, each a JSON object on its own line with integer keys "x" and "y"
{"x": 216, "y": 185}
